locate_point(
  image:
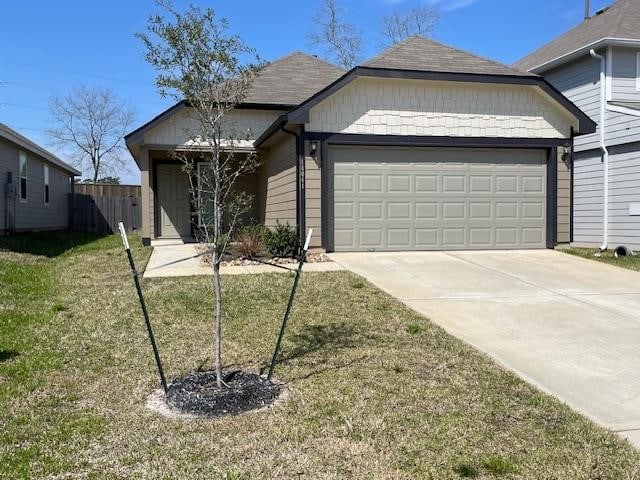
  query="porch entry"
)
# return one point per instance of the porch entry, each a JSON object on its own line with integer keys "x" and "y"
{"x": 174, "y": 212}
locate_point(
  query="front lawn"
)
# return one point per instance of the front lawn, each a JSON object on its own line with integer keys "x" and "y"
{"x": 375, "y": 390}
{"x": 631, "y": 262}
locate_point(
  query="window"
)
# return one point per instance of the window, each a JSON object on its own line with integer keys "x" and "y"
{"x": 638, "y": 71}
{"x": 22, "y": 173}
{"x": 46, "y": 183}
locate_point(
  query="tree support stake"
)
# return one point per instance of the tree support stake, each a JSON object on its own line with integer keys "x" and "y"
{"x": 136, "y": 280}
{"x": 303, "y": 257}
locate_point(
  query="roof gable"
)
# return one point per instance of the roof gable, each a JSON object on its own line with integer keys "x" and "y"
{"x": 280, "y": 85}
{"x": 620, "y": 21}
{"x": 422, "y": 54}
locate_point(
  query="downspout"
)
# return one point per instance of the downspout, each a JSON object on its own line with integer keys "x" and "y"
{"x": 603, "y": 147}
{"x": 300, "y": 214}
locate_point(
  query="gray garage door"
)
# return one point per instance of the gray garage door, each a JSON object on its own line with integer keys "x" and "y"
{"x": 437, "y": 199}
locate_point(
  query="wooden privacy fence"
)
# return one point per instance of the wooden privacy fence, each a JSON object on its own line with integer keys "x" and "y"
{"x": 107, "y": 189}
{"x": 101, "y": 214}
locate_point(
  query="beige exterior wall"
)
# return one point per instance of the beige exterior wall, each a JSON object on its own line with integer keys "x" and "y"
{"x": 278, "y": 183}
{"x": 239, "y": 124}
{"x": 417, "y": 107}
{"x": 564, "y": 199}
{"x": 313, "y": 199}
{"x": 146, "y": 194}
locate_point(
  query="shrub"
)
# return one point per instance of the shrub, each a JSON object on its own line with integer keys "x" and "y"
{"x": 282, "y": 241}
{"x": 250, "y": 243}
{"x": 255, "y": 229}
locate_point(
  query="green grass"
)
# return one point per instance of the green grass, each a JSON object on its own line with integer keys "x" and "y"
{"x": 374, "y": 389}
{"x": 630, "y": 262}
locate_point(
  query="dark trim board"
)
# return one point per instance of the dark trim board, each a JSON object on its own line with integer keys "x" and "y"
{"x": 552, "y": 197}
{"x": 426, "y": 141}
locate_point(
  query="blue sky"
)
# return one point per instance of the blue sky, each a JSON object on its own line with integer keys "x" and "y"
{"x": 50, "y": 47}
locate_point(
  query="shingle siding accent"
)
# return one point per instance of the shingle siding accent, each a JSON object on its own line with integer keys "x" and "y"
{"x": 34, "y": 214}
{"x": 409, "y": 107}
{"x": 244, "y": 125}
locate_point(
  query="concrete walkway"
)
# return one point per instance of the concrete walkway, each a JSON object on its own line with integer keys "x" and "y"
{"x": 177, "y": 259}
{"x": 571, "y": 326}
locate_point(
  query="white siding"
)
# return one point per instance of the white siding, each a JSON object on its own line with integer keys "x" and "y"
{"x": 416, "y": 107}
{"x": 579, "y": 81}
{"x": 625, "y": 74}
{"x": 587, "y": 198}
{"x": 622, "y": 128}
{"x": 624, "y": 189}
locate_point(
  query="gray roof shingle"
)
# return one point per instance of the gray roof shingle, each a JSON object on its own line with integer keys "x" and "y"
{"x": 621, "y": 20}
{"x": 292, "y": 79}
{"x": 422, "y": 54}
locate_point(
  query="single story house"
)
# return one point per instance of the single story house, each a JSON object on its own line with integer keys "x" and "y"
{"x": 424, "y": 147}
{"x": 36, "y": 185}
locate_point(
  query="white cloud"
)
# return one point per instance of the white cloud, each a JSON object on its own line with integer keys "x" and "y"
{"x": 450, "y": 5}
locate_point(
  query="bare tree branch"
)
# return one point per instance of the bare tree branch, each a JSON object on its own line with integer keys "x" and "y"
{"x": 86, "y": 119}
{"x": 341, "y": 41}
{"x": 398, "y": 26}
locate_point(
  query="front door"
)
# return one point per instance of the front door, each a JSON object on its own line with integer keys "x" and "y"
{"x": 173, "y": 201}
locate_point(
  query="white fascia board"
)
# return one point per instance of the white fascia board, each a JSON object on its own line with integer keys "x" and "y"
{"x": 605, "y": 42}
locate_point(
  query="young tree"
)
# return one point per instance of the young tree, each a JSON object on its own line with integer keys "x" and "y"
{"x": 91, "y": 122}
{"x": 341, "y": 41}
{"x": 199, "y": 61}
{"x": 398, "y": 26}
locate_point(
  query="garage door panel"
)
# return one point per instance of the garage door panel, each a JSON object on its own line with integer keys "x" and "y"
{"x": 426, "y": 183}
{"x": 421, "y": 199}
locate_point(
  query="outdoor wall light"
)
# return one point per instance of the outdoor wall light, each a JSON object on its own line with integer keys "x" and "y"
{"x": 566, "y": 152}
{"x": 313, "y": 149}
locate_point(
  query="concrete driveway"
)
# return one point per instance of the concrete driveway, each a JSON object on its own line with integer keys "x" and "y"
{"x": 568, "y": 325}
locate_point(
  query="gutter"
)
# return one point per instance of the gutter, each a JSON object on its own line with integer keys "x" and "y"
{"x": 603, "y": 146}
{"x": 604, "y": 42}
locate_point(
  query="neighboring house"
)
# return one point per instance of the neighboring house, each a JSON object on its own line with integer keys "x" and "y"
{"x": 597, "y": 66}
{"x": 35, "y": 184}
{"x": 424, "y": 147}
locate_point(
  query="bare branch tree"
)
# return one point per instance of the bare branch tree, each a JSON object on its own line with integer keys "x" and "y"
{"x": 91, "y": 123}
{"x": 341, "y": 41}
{"x": 398, "y": 26}
{"x": 197, "y": 60}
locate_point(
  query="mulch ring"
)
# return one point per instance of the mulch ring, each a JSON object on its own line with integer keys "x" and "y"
{"x": 196, "y": 394}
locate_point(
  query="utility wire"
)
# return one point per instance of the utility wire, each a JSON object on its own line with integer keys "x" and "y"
{"x": 72, "y": 72}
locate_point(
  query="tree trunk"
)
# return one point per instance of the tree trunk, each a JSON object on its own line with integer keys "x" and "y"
{"x": 218, "y": 317}
{"x": 96, "y": 169}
